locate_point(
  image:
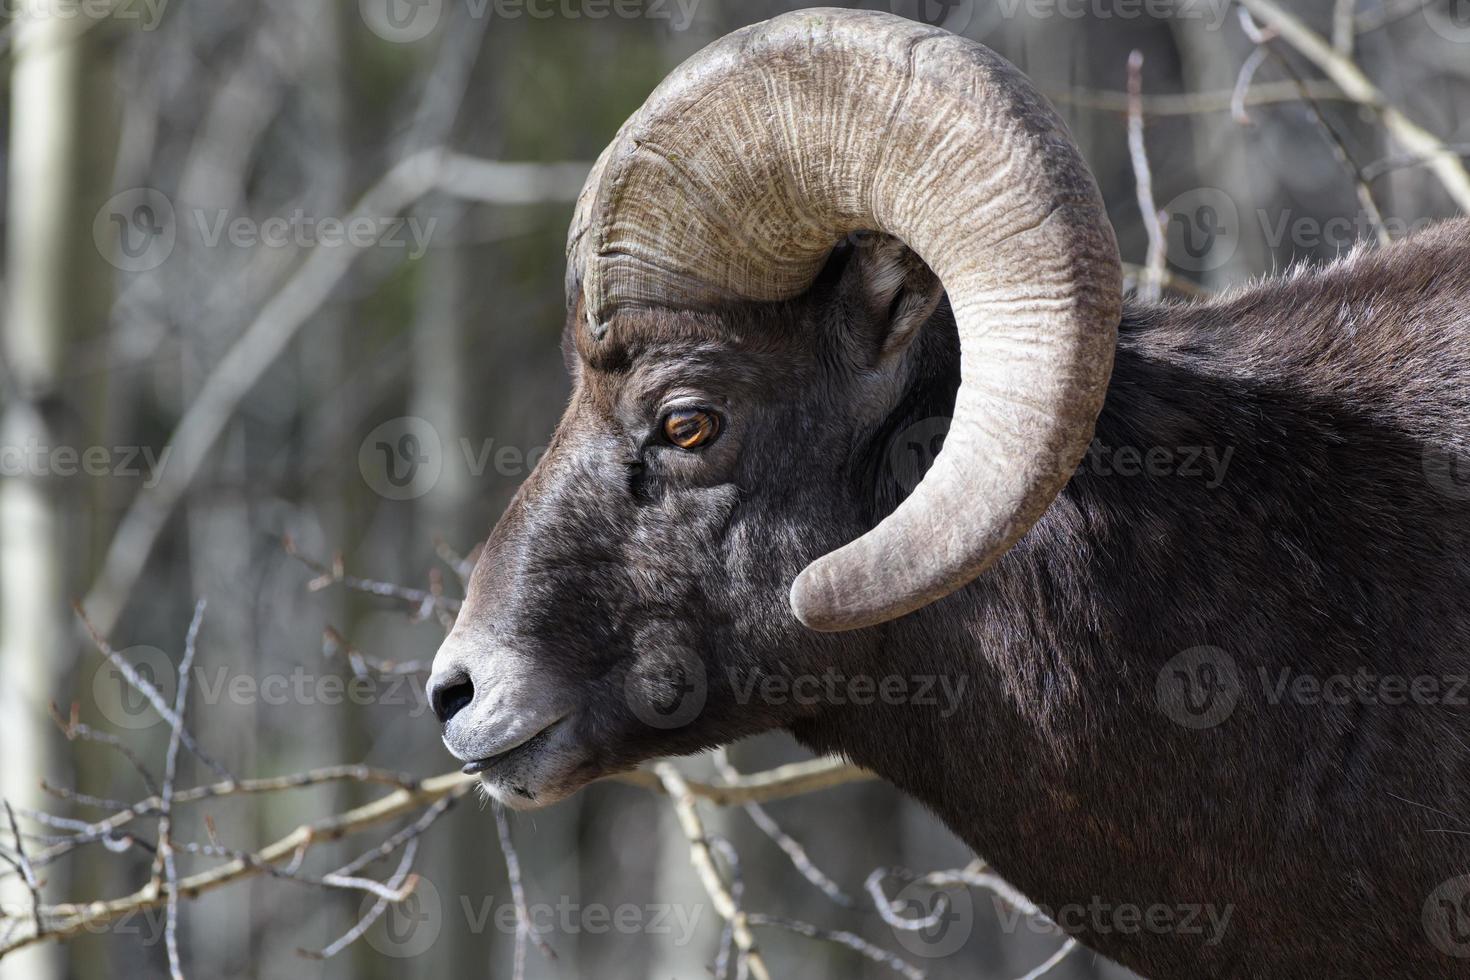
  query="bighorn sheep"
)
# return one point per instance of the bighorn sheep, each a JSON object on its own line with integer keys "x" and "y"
{"x": 739, "y": 384}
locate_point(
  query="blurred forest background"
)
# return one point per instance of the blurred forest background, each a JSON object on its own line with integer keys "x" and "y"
{"x": 238, "y": 265}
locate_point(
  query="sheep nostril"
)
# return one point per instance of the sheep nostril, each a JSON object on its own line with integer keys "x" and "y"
{"x": 448, "y": 697}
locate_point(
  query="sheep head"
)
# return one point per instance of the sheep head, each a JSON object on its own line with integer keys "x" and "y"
{"x": 707, "y": 510}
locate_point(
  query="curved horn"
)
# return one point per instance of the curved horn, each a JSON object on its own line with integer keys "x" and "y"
{"x": 745, "y": 166}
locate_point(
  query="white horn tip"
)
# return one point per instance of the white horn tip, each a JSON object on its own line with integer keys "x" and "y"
{"x": 817, "y": 603}
{"x": 811, "y": 611}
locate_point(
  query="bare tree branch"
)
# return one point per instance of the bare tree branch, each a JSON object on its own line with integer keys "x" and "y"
{"x": 1262, "y": 40}
{"x": 1196, "y": 103}
{"x": 793, "y": 849}
{"x": 170, "y": 774}
{"x": 23, "y": 865}
{"x": 1356, "y": 86}
{"x": 699, "y": 855}
{"x": 1151, "y": 290}
{"x": 525, "y": 928}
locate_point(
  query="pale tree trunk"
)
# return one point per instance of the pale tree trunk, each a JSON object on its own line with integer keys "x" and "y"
{"x": 53, "y": 287}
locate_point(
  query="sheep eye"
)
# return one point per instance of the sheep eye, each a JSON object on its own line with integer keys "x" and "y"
{"x": 691, "y": 428}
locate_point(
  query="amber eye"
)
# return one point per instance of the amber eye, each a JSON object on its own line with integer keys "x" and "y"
{"x": 691, "y": 428}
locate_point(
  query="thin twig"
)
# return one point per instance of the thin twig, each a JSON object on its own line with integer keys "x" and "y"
{"x": 1195, "y": 103}
{"x": 1378, "y": 168}
{"x": 155, "y": 698}
{"x": 1151, "y": 289}
{"x": 337, "y": 575}
{"x": 525, "y": 928}
{"x": 82, "y": 799}
{"x": 1389, "y": 13}
{"x": 848, "y": 939}
{"x": 335, "y": 645}
{"x": 1054, "y": 961}
{"x": 73, "y": 729}
{"x": 793, "y": 849}
{"x": 170, "y": 774}
{"x": 1262, "y": 40}
{"x": 293, "y": 873}
{"x": 795, "y": 779}
{"x": 398, "y": 888}
{"x": 401, "y": 838}
{"x": 700, "y": 857}
{"x": 1243, "y": 81}
{"x": 1133, "y": 274}
{"x": 463, "y": 565}
{"x": 23, "y": 865}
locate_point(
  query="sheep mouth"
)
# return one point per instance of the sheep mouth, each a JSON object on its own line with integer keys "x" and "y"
{"x": 526, "y": 748}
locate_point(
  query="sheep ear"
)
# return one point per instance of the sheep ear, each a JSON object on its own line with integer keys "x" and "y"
{"x": 897, "y": 291}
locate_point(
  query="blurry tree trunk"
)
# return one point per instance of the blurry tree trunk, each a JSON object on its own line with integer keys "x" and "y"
{"x": 440, "y": 359}
{"x": 55, "y": 280}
